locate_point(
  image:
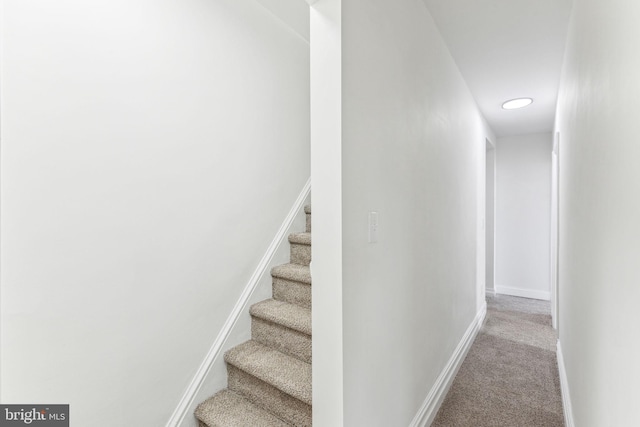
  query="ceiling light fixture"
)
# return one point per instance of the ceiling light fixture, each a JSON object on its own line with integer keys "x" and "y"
{"x": 517, "y": 103}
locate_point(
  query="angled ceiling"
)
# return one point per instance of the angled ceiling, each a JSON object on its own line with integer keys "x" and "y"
{"x": 507, "y": 49}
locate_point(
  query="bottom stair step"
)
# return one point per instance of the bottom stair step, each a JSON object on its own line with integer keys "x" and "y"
{"x": 227, "y": 409}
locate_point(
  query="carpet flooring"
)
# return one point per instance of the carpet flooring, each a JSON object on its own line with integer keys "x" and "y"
{"x": 510, "y": 375}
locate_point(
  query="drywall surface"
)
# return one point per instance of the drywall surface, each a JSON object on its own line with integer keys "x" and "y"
{"x": 523, "y": 211}
{"x": 293, "y": 13}
{"x": 597, "y": 117}
{"x": 326, "y": 199}
{"x": 150, "y": 152}
{"x": 413, "y": 147}
{"x": 490, "y": 190}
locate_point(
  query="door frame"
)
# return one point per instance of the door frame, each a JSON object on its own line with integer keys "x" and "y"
{"x": 555, "y": 230}
{"x": 490, "y": 151}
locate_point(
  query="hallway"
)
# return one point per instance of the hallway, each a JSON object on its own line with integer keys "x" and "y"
{"x": 156, "y": 156}
{"x": 510, "y": 376}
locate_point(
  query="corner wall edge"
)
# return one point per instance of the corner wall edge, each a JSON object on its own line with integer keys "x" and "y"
{"x": 564, "y": 389}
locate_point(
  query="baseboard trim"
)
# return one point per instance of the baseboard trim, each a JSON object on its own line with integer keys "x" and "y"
{"x": 434, "y": 399}
{"x": 490, "y": 292}
{"x": 216, "y": 348}
{"x": 524, "y": 293}
{"x": 564, "y": 389}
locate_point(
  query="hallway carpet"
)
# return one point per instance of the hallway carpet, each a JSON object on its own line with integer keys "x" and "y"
{"x": 510, "y": 376}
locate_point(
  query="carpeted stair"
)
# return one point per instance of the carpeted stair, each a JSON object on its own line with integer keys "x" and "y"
{"x": 269, "y": 382}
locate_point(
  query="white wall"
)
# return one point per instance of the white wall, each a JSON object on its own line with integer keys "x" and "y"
{"x": 523, "y": 203}
{"x": 490, "y": 180}
{"x": 150, "y": 151}
{"x": 597, "y": 117}
{"x": 326, "y": 198}
{"x": 413, "y": 147}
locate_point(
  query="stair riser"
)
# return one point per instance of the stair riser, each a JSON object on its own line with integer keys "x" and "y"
{"x": 300, "y": 254}
{"x": 286, "y": 340}
{"x": 284, "y": 406}
{"x": 308, "y": 229}
{"x": 292, "y": 292}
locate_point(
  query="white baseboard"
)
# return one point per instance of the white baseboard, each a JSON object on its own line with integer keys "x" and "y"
{"x": 524, "y": 293}
{"x": 431, "y": 404}
{"x": 564, "y": 389}
{"x": 490, "y": 292}
{"x": 216, "y": 349}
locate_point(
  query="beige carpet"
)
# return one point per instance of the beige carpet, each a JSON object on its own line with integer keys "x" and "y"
{"x": 510, "y": 376}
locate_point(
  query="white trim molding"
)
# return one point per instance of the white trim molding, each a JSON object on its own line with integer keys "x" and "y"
{"x": 490, "y": 292}
{"x": 217, "y": 347}
{"x": 524, "y": 293}
{"x": 434, "y": 399}
{"x": 564, "y": 389}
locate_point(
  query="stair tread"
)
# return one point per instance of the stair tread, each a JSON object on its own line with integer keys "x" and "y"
{"x": 294, "y": 272}
{"x": 228, "y": 409}
{"x": 303, "y": 238}
{"x": 307, "y": 209}
{"x": 284, "y": 372}
{"x": 283, "y": 313}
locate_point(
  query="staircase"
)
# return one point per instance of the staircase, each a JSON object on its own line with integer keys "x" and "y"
{"x": 269, "y": 382}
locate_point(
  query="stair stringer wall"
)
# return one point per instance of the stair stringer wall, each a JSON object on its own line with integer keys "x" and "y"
{"x": 211, "y": 376}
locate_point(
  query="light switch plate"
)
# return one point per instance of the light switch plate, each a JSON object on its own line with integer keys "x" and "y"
{"x": 373, "y": 227}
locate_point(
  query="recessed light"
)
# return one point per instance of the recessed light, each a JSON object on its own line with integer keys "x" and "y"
{"x": 517, "y": 103}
